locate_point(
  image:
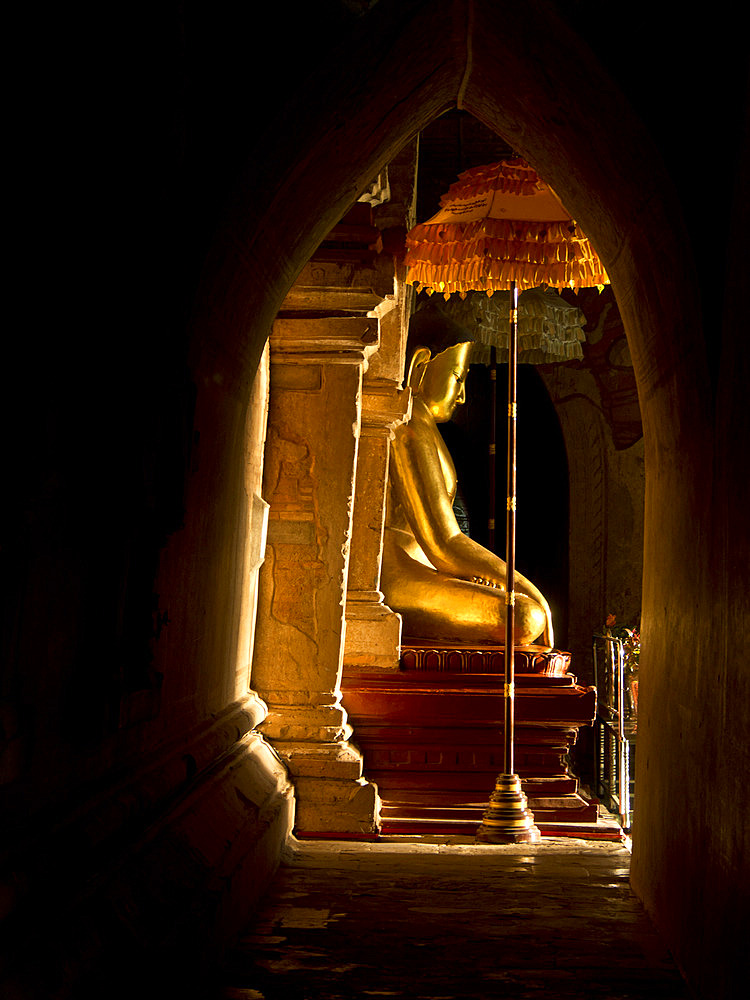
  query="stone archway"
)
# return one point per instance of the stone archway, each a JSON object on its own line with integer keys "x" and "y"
{"x": 524, "y": 74}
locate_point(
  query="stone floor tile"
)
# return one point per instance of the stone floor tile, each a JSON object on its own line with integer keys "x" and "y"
{"x": 447, "y": 920}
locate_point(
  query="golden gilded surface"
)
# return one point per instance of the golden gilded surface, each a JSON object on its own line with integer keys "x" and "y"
{"x": 446, "y": 585}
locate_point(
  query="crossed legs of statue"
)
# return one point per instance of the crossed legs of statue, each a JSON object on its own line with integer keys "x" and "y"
{"x": 441, "y": 608}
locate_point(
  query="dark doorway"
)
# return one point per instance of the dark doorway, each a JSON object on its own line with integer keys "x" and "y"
{"x": 542, "y": 479}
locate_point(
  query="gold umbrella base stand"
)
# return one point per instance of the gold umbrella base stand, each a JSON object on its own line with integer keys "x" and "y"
{"x": 507, "y": 819}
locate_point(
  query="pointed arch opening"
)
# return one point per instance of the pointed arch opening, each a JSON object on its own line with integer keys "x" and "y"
{"x": 512, "y": 74}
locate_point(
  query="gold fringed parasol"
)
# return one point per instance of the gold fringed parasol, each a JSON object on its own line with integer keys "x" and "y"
{"x": 501, "y": 228}
{"x": 500, "y": 225}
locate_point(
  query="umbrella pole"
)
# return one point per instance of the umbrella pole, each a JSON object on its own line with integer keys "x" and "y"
{"x": 507, "y": 819}
{"x": 492, "y": 461}
{"x": 510, "y": 531}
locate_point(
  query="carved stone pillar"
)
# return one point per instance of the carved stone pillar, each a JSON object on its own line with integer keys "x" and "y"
{"x": 373, "y": 630}
{"x": 311, "y": 452}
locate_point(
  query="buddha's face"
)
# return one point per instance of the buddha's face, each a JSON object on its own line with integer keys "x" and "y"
{"x": 443, "y": 385}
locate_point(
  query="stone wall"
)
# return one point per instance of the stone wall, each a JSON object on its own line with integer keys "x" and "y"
{"x": 597, "y": 404}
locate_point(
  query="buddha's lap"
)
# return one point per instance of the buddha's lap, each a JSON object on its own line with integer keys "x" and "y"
{"x": 435, "y": 596}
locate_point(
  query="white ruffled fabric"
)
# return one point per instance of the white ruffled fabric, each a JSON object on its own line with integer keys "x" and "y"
{"x": 549, "y": 328}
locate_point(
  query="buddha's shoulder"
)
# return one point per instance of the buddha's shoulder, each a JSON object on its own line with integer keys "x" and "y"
{"x": 420, "y": 428}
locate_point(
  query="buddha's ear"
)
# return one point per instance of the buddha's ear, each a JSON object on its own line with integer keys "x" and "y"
{"x": 417, "y": 368}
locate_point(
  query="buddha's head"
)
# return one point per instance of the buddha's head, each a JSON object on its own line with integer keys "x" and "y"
{"x": 439, "y": 350}
{"x": 440, "y": 380}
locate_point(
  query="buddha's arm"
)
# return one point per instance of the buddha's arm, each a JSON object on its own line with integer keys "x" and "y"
{"x": 418, "y": 478}
{"x": 420, "y": 484}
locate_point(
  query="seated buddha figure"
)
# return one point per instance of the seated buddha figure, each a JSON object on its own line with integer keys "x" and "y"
{"x": 446, "y": 586}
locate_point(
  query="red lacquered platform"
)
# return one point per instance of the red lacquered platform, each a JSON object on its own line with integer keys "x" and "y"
{"x": 432, "y": 735}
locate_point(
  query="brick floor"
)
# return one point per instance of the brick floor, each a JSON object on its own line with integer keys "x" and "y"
{"x": 448, "y": 919}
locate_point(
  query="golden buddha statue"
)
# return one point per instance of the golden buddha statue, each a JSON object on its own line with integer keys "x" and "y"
{"x": 447, "y": 586}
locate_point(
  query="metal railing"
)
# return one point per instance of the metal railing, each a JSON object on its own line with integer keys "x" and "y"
{"x": 616, "y": 728}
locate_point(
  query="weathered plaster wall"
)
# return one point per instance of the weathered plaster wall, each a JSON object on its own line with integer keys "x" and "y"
{"x": 605, "y": 451}
{"x": 691, "y": 845}
{"x": 136, "y": 790}
{"x": 606, "y": 475}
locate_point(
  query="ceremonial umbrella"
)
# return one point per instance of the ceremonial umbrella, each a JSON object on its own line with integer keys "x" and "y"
{"x": 501, "y": 228}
